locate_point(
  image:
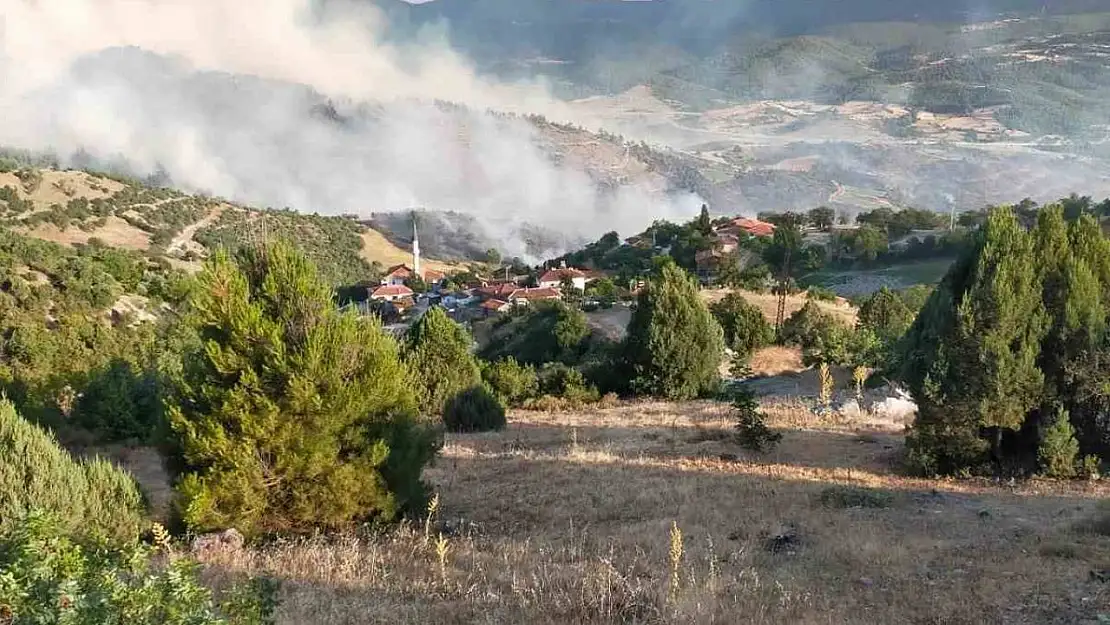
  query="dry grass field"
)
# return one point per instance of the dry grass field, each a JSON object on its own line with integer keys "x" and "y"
{"x": 572, "y": 518}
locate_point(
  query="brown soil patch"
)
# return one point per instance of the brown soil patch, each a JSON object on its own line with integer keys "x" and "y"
{"x": 115, "y": 233}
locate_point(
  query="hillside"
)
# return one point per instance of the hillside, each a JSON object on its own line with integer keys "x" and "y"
{"x": 74, "y": 207}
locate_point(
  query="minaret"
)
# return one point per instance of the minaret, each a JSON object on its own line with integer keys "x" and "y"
{"x": 415, "y": 247}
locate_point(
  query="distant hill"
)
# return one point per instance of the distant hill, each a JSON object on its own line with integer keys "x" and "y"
{"x": 78, "y": 208}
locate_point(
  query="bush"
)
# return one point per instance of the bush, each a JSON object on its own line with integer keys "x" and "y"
{"x": 474, "y": 410}
{"x": 512, "y": 382}
{"x": 751, "y": 429}
{"x": 1058, "y": 449}
{"x": 93, "y": 499}
{"x": 437, "y": 350}
{"x": 820, "y": 294}
{"x": 294, "y": 417}
{"x": 744, "y": 326}
{"x": 674, "y": 346}
{"x": 50, "y": 578}
{"x": 854, "y": 497}
{"x": 120, "y": 404}
{"x": 568, "y": 383}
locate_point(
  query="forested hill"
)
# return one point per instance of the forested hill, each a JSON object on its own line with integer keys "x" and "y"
{"x": 70, "y": 210}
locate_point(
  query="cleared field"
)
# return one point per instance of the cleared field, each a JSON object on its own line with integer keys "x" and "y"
{"x": 570, "y": 518}
{"x": 864, "y": 281}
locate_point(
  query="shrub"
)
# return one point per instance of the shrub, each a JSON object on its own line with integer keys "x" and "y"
{"x": 50, "y": 578}
{"x": 120, "y": 404}
{"x": 854, "y": 497}
{"x": 744, "y": 326}
{"x": 437, "y": 351}
{"x": 1059, "y": 450}
{"x": 474, "y": 410}
{"x": 568, "y": 383}
{"x": 294, "y": 417}
{"x": 751, "y": 429}
{"x": 93, "y": 499}
{"x": 820, "y": 294}
{"x": 512, "y": 382}
{"x": 674, "y": 346}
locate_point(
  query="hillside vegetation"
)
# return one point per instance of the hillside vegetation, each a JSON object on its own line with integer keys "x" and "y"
{"x": 73, "y": 207}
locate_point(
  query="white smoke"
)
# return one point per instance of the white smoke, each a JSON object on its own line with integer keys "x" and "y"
{"x": 221, "y": 96}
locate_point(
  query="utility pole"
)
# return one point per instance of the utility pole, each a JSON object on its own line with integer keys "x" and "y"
{"x": 784, "y": 278}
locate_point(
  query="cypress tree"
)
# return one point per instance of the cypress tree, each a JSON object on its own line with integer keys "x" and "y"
{"x": 292, "y": 416}
{"x": 674, "y": 345}
{"x": 437, "y": 351}
{"x": 704, "y": 224}
{"x": 970, "y": 359}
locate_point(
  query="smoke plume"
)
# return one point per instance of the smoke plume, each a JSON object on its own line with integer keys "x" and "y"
{"x": 288, "y": 103}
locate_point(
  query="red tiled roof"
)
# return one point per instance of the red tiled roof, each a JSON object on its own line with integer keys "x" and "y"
{"x": 754, "y": 227}
{"x": 494, "y": 304}
{"x": 558, "y": 275}
{"x": 431, "y": 275}
{"x": 401, "y": 271}
{"x": 540, "y": 293}
{"x": 391, "y": 291}
{"x": 504, "y": 290}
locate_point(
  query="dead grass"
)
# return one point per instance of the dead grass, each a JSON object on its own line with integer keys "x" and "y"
{"x": 376, "y": 248}
{"x": 768, "y": 303}
{"x": 115, "y": 233}
{"x": 566, "y": 518}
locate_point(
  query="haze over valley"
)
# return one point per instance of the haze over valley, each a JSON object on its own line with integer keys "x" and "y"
{"x": 364, "y": 108}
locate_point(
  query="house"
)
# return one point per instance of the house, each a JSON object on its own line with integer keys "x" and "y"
{"x": 391, "y": 292}
{"x": 554, "y": 278}
{"x": 527, "y": 296}
{"x": 502, "y": 291}
{"x": 396, "y": 275}
{"x": 747, "y": 226}
{"x": 495, "y": 306}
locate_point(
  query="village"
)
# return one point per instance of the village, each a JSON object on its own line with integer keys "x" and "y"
{"x": 405, "y": 291}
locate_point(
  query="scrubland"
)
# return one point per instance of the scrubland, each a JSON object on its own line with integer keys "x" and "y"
{"x": 650, "y": 513}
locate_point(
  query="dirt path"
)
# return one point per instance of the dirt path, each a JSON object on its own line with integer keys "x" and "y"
{"x": 184, "y": 237}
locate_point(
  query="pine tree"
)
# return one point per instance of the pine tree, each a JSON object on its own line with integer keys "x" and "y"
{"x": 885, "y": 314}
{"x": 970, "y": 358}
{"x": 704, "y": 224}
{"x": 745, "y": 328}
{"x": 674, "y": 346}
{"x": 437, "y": 351}
{"x": 293, "y": 416}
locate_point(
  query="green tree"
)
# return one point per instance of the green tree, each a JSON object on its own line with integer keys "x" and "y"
{"x": 704, "y": 224}
{"x": 493, "y": 257}
{"x": 87, "y": 499}
{"x": 821, "y": 218}
{"x": 293, "y": 416}
{"x": 868, "y": 242}
{"x": 745, "y": 327}
{"x": 476, "y": 409}
{"x": 1058, "y": 449}
{"x": 886, "y": 314}
{"x": 674, "y": 346}
{"x": 512, "y": 382}
{"x": 416, "y": 283}
{"x": 437, "y": 351}
{"x": 970, "y": 358}
{"x": 784, "y": 251}
{"x": 602, "y": 287}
